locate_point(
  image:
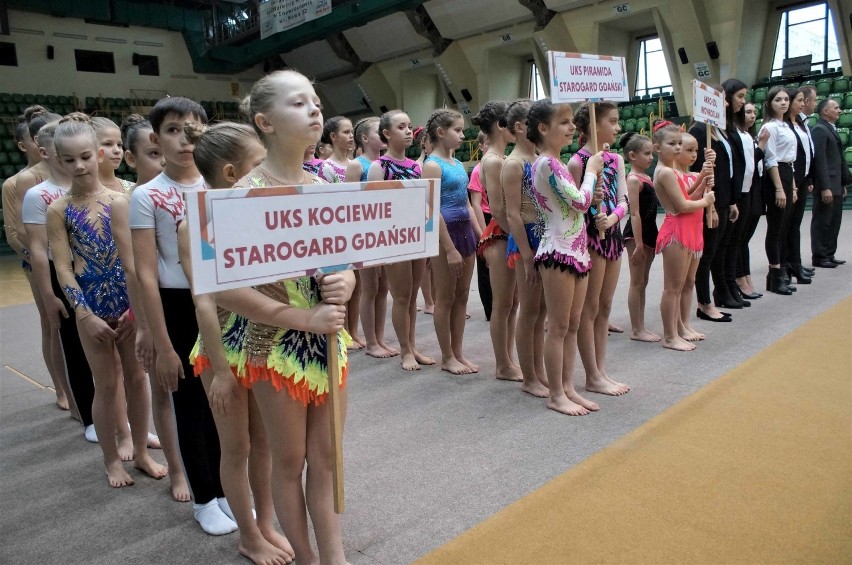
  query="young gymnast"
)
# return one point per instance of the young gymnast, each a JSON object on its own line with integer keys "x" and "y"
{"x": 286, "y": 362}
{"x": 525, "y": 224}
{"x": 459, "y": 234}
{"x": 156, "y": 208}
{"x": 404, "y": 277}
{"x": 14, "y": 190}
{"x": 482, "y": 213}
{"x": 492, "y": 246}
{"x": 340, "y": 135}
{"x": 144, "y": 156}
{"x": 310, "y": 162}
{"x": 90, "y": 273}
{"x": 109, "y": 140}
{"x": 681, "y": 237}
{"x": 562, "y": 257}
{"x": 605, "y": 251}
{"x": 224, "y": 153}
{"x": 371, "y": 284}
{"x": 422, "y": 141}
{"x": 640, "y": 232}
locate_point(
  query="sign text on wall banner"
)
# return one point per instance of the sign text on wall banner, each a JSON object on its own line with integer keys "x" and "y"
{"x": 708, "y": 105}
{"x": 247, "y": 237}
{"x": 280, "y": 15}
{"x": 577, "y": 77}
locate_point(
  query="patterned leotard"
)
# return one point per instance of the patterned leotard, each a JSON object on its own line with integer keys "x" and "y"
{"x": 531, "y": 214}
{"x": 332, "y": 171}
{"x": 313, "y": 166}
{"x": 393, "y": 169}
{"x": 564, "y": 241}
{"x": 614, "y": 202}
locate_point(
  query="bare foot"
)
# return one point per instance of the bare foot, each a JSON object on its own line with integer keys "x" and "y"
{"x": 455, "y": 367}
{"x": 154, "y": 442}
{"x": 510, "y": 373}
{"x": 378, "y": 352}
{"x": 62, "y": 402}
{"x": 355, "y": 345}
{"x": 279, "y": 541}
{"x": 689, "y": 335}
{"x": 678, "y": 344}
{"x": 474, "y": 368}
{"x": 419, "y": 309}
{"x": 615, "y": 329}
{"x": 574, "y": 397}
{"x": 388, "y": 348}
{"x": 125, "y": 448}
{"x": 644, "y": 335}
{"x": 423, "y": 359}
{"x": 180, "y": 489}
{"x": 150, "y": 467}
{"x": 603, "y": 386}
{"x": 429, "y": 309}
{"x": 409, "y": 362}
{"x": 467, "y": 315}
{"x": 696, "y": 335}
{"x": 536, "y": 389}
{"x": 624, "y": 387}
{"x": 117, "y": 476}
{"x": 261, "y": 552}
{"x": 563, "y": 405}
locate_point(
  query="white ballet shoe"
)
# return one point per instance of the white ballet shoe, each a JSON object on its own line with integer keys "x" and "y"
{"x": 90, "y": 434}
{"x": 212, "y": 520}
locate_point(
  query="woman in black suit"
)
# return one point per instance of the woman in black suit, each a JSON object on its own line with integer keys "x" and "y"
{"x": 753, "y": 194}
{"x": 728, "y": 180}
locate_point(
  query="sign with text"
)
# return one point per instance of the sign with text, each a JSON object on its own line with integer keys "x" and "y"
{"x": 708, "y": 105}
{"x": 280, "y": 15}
{"x": 578, "y": 77}
{"x": 247, "y": 237}
{"x": 702, "y": 70}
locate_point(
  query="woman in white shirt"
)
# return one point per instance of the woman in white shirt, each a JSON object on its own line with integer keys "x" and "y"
{"x": 754, "y": 208}
{"x": 791, "y": 255}
{"x": 780, "y": 154}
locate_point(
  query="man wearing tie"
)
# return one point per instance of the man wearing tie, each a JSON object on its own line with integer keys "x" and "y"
{"x": 830, "y": 176}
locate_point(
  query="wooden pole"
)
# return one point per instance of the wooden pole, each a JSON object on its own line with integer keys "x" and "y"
{"x": 709, "y": 210}
{"x": 336, "y": 415}
{"x": 593, "y": 139}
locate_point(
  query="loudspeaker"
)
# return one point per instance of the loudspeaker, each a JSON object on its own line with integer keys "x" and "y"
{"x": 713, "y": 50}
{"x": 452, "y": 98}
{"x": 50, "y": 52}
{"x": 682, "y": 54}
{"x": 135, "y": 59}
{"x": 466, "y": 93}
{"x": 383, "y": 109}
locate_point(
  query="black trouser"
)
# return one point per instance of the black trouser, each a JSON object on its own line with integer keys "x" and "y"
{"x": 777, "y": 219}
{"x": 825, "y": 227}
{"x": 483, "y": 279}
{"x": 737, "y": 236}
{"x": 709, "y": 261}
{"x": 196, "y": 430}
{"x": 791, "y": 252}
{"x": 76, "y": 365}
{"x": 744, "y": 259}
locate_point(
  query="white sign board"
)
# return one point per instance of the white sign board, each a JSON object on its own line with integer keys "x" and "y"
{"x": 577, "y": 77}
{"x": 247, "y": 237}
{"x": 621, "y": 9}
{"x": 708, "y": 105}
{"x": 280, "y": 15}
{"x": 702, "y": 70}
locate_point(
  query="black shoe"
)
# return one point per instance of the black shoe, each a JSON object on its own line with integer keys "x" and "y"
{"x": 737, "y": 295}
{"x": 808, "y": 271}
{"x": 751, "y": 295}
{"x": 797, "y": 271}
{"x": 837, "y": 261}
{"x": 825, "y": 264}
{"x": 776, "y": 282}
{"x": 722, "y": 299}
{"x": 702, "y": 316}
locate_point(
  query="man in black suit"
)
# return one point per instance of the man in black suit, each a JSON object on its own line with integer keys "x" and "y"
{"x": 831, "y": 176}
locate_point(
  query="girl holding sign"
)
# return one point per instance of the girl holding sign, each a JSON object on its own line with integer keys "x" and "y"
{"x": 403, "y": 277}
{"x": 372, "y": 283}
{"x": 524, "y": 216}
{"x": 605, "y": 243}
{"x": 459, "y": 234}
{"x": 286, "y": 361}
{"x": 562, "y": 256}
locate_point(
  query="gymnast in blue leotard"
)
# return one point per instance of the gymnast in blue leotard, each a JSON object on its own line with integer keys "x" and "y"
{"x": 458, "y": 237}
{"x": 89, "y": 271}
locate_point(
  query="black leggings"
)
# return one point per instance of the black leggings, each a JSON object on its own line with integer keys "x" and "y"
{"x": 777, "y": 219}
{"x": 483, "y": 279}
{"x": 196, "y": 430}
{"x": 791, "y": 251}
{"x": 744, "y": 258}
{"x": 709, "y": 260}
{"x": 735, "y": 241}
{"x": 76, "y": 366}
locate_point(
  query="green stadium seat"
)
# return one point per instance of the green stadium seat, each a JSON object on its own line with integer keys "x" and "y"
{"x": 651, "y": 108}
{"x": 847, "y": 101}
{"x": 5, "y": 97}
{"x": 12, "y": 109}
{"x": 623, "y": 112}
{"x": 848, "y": 156}
{"x": 4, "y": 159}
{"x": 642, "y": 123}
{"x": 629, "y": 125}
{"x": 51, "y": 100}
{"x": 9, "y": 145}
{"x": 812, "y": 120}
{"x": 575, "y": 146}
{"x": 638, "y": 110}
{"x": 843, "y": 133}
{"x": 841, "y": 84}
{"x": 62, "y": 100}
{"x": 760, "y": 94}
{"x": 16, "y": 158}
{"x": 824, "y": 86}
{"x": 845, "y": 120}
{"x": 12, "y": 170}
{"x": 757, "y": 125}
{"x": 17, "y": 98}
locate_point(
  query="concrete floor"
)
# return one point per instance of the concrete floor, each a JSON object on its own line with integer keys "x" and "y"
{"x": 428, "y": 454}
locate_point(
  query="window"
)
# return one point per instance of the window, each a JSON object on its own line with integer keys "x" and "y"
{"x": 807, "y": 30}
{"x": 149, "y": 65}
{"x": 536, "y": 89}
{"x": 94, "y": 61}
{"x": 652, "y": 74}
{"x": 8, "y": 54}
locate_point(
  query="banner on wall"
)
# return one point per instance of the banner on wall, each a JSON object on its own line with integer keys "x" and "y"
{"x": 247, "y": 237}
{"x": 577, "y": 77}
{"x": 708, "y": 105}
{"x": 280, "y": 15}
